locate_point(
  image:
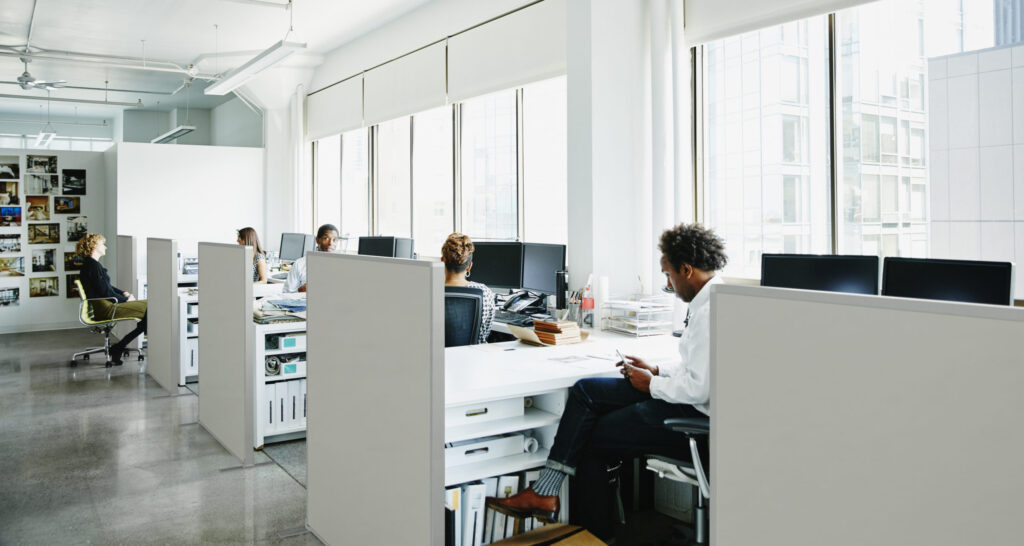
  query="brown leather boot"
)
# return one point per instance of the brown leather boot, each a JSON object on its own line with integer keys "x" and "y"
{"x": 527, "y": 503}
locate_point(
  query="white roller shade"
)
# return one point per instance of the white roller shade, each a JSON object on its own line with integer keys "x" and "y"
{"x": 522, "y": 47}
{"x": 335, "y": 110}
{"x": 406, "y": 85}
{"x": 708, "y": 20}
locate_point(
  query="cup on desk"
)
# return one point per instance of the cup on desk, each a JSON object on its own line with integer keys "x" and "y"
{"x": 573, "y": 313}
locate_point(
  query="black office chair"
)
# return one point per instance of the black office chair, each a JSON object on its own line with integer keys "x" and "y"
{"x": 463, "y": 307}
{"x": 691, "y": 472}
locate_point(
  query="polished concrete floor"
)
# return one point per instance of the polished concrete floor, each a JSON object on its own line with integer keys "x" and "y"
{"x": 93, "y": 455}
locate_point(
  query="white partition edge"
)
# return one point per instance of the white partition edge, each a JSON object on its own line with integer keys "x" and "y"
{"x": 162, "y": 307}
{"x": 375, "y": 423}
{"x": 839, "y": 419}
{"x": 126, "y": 272}
{"x": 225, "y": 347}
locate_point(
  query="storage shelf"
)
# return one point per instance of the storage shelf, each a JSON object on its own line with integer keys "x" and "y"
{"x": 272, "y": 352}
{"x": 278, "y": 378}
{"x": 531, "y": 418}
{"x": 494, "y": 467}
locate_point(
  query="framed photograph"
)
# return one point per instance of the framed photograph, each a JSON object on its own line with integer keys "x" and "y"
{"x": 10, "y": 216}
{"x": 10, "y": 243}
{"x": 12, "y": 267}
{"x": 43, "y": 234}
{"x": 43, "y": 260}
{"x": 72, "y": 262}
{"x": 10, "y": 167}
{"x": 72, "y": 289}
{"x": 37, "y": 208}
{"x": 9, "y": 296}
{"x": 41, "y": 184}
{"x": 67, "y": 205}
{"x": 41, "y": 164}
{"x": 74, "y": 181}
{"x": 77, "y": 228}
{"x": 9, "y": 194}
{"x": 43, "y": 287}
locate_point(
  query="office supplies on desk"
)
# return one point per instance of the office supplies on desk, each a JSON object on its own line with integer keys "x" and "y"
{"x": 527, "y": 335}
{"x": 512, "y": 318}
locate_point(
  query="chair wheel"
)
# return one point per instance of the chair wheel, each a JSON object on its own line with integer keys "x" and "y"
{"x": 141, "y": 358}
{"x": 109, "y": 364}
{"x": 74, "y": 363}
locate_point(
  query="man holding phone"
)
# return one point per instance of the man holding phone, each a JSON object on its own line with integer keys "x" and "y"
{"x": 608, "y": 420}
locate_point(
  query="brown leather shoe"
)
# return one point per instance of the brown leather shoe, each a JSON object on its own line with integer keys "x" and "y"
{"x": 527, "y": 504}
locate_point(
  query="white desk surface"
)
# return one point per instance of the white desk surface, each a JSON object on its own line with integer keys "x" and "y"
{"x": 477, "y": 373}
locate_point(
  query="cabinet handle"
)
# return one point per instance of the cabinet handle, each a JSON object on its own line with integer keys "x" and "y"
{"x": 478, "y": 451}
{"x": 475, "y": 412}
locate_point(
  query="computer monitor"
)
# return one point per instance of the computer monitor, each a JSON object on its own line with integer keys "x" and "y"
{"x": 404, "y": 248}
{"x": 950, "y": 280}
{"x": 295, "y": 245}
{"x": 540, "y": 261}
{"x": 498, "y": 264}
{"x": 377, "y": 246}
{"x": 851, "y": 274}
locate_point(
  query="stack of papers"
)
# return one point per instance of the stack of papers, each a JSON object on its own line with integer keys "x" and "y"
{"x": 267, "y": 311}
{"x": 560, "y": 332}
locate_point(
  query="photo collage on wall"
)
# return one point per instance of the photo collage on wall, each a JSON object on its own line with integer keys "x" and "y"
{"x": 41, "y": 219}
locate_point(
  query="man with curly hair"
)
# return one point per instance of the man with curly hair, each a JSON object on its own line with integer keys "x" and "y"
{"x": 609, "y": 420}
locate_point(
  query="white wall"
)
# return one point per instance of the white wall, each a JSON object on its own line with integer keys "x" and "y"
{"x": 234, "y": 124}
{"x": 46, "y": 313}
{"x": 976, "y": 160}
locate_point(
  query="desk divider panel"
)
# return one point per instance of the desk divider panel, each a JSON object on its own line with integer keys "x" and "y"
{"x": 375, "y": 420}
{"x": 162, "y": 296}
{"x": 225, "y": 348}
{"x": 126, "y": 277}
{"x": 846, "y": 419}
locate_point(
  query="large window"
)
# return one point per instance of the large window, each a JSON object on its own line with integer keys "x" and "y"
{"x": 489, "y": 167}
{"x": 432, "y": 180}
{"x": 394, "y": 185}
{"x": 355, "y": 185}
{"x": 327, "y": 189}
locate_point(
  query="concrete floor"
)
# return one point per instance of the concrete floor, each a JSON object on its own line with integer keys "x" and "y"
{"x": 93, "y": 455}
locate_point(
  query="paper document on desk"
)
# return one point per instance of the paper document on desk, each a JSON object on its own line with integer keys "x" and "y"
{"x": 527, "y": 335}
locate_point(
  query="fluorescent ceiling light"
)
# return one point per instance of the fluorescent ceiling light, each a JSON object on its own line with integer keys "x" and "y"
{"x": 45, "y": 138}
{"x": 174, "y": 134}
{"x": 239, "y": 76}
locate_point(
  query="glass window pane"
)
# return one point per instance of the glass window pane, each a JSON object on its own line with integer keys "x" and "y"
{"x": 433, "y": 184}
{"x": 355, "y": 196}
{"x": 327, "y": 198}
{"x": 489, "y": 193}
{"x": 393, "y": 183}
{"x": 544, "y": 162}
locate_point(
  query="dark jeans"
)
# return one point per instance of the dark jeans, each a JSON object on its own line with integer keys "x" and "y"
{"x": 605, "y": 421}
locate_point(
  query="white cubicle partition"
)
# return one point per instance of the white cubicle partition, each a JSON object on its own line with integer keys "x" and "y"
{"x": 843, "y": 419}
{"x": 162, "y": 296}
{"x": 376, "y": 348}
{"x": 225, "y": 399}
{"x": 126, "y": 272}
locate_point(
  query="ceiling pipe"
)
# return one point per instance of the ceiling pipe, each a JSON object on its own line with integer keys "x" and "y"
{"x": 31, "y": 26}
{"x": 29, "y": 122}
{"x": 102, "y": 89}
{"x": 264, "y": 3}
{"x": 84, "y": 101}
{"x": 106, "y": 61}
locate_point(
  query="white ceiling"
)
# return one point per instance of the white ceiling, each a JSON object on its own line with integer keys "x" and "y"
{"x": 178, "y": 31}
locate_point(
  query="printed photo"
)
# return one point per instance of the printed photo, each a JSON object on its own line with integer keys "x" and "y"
{"x": 10, "y": 168}
{"x": 41, "y": 183}
{"x": 37, "y": 208}
{"x": 41, "y": 164}
{"x": 67, "y": 205}
{"x": 74, "y": 181}
{"x": 9, "y": 296}
{"x": 9, "y": 193}
{"x": 72, "y": 288}
{"x": 43, "y": 234}
{"x": 42, "y": 287}
{"x": 77, "y": 228}
{"x": 12, "y": 267}
{"x": 10, "y": 243}
{"x": 72, "y": 262}
{"x": 10, "y": 216}
{"x": 43, "y": 260}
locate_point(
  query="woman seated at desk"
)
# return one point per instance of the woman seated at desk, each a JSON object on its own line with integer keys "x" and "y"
{"x": 96, "y": 283}
{"x": 457, "y": 255}
{"x": 260, "y": 270}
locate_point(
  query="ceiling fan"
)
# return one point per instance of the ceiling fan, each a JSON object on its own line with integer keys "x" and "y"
{"x": 28, "y": 81}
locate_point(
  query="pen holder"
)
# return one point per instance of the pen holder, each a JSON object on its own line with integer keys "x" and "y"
{"x": 573, "y": 312}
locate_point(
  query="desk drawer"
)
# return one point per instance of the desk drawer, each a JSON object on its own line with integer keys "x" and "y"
{"x": 472, "y": 451}
{"x": 483, "y": 412}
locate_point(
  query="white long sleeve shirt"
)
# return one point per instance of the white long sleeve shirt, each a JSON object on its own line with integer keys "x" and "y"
{"x": 688, "y": 381}
{"x": 296, "y": 276}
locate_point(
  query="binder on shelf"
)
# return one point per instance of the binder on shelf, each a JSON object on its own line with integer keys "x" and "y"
{"x": 294, "y": 404}
{"x": 270, "y": 423}
{"x": 490, "y": 490}
{"x": 453, "y": 523}
{"x": 473, "y": 497}
{"x": 280, "y": 395}
{"x": 507, "y": 486}
{"x": 305, "y": 405}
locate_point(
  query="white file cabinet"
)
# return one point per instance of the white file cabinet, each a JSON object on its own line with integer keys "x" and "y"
{"x": 279, "y": 366}
{"x": 188, "y": 335}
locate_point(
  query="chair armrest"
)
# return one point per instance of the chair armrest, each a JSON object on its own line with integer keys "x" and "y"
{"x": 689, "y": 425}
{"x": 113, "y": 299}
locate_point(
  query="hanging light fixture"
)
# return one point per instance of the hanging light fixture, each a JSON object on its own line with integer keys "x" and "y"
{"x": 47, "y": 133}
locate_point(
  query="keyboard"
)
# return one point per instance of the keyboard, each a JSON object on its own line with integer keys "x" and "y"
{"x": 509, "y": 317}
{"x": 280, "y": 276}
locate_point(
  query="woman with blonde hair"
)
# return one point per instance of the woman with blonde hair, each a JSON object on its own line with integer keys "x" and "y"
{"x": 260, "y": 270}
{"x": 457, "y": 255}
{"x": 96, "y": 283}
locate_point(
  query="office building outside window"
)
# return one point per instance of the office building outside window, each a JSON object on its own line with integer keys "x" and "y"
{"x": 327, "y": 196}
{"x": 355, "y": 184}
{"x": 432, "y": 180}
{"x": 489, "y": 167}
{"x": 394, "y": 190}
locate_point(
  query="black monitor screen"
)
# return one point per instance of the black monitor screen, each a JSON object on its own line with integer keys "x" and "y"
{"x": 498, "y": 265}
{"x": 851, "y": 274}
{"x": 293, "y": 246}
{"x": 950, "y": 280}
{"x": 377, "y": 246}
{"x": 540, "y": 261}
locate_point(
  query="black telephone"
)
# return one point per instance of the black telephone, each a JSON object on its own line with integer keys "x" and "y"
{"x": 526, "y": 303}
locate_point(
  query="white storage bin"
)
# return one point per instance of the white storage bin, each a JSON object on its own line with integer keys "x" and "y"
{"x": 483, "y": 412}
{"x": 484, "y": 449}
{"x": 293, "y": 369}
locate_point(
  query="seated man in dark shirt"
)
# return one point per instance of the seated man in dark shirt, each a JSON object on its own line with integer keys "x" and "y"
{"x": 96, "y": 283}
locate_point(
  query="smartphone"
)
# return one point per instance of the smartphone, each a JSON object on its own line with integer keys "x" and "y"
{"x": 621, "y": 356}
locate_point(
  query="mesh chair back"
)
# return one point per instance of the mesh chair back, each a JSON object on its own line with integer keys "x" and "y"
{"x": 84, "y": 309}
{"x": 463, "y": 307}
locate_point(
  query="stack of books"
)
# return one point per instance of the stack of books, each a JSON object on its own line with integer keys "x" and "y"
{"x": 560, "y": 332}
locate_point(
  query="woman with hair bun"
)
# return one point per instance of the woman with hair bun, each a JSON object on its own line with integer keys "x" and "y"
{"x": 457, "y": 255}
